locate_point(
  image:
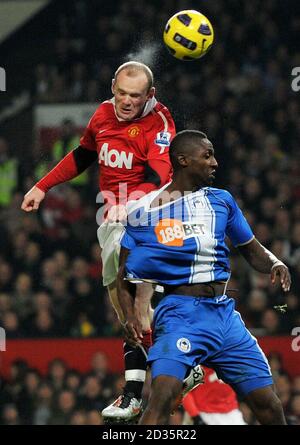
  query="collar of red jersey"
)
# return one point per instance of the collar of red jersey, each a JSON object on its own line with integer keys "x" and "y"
{"x": 149, "y": 105}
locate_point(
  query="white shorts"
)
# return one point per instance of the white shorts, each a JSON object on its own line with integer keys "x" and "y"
{"x": 109, "y": 236}
{"x": 234, "y": 417}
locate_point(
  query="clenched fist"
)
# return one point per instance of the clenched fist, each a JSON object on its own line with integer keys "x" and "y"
{"x": 32, "y": 199}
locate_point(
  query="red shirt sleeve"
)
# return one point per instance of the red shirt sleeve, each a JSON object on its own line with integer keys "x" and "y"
{"x": 67, "y": 168}
{"x": 159, "y": 139}
{"x": 161, "y": 134}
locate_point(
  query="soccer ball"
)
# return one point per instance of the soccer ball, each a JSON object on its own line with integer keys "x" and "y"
{"x": 188, "y": 35}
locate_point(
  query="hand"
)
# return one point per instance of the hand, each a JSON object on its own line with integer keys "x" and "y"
{"x": 133, "y": 332}
{"x": 282, "y": 271}
{"x": 117, "y": 213}
{"x": 32, "y": 199}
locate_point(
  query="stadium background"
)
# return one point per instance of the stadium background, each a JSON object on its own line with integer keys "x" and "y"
{"x": 59, "y": 65}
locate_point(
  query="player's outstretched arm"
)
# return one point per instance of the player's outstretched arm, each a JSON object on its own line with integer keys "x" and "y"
{"x": 32, "y": 199}
{"x": 264, "y": 261}
{"x": 132, "y": 326}
{"x": 68, "y": 168}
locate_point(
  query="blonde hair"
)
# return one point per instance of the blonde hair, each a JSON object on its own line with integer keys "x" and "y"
{"x": 132, "y": 68}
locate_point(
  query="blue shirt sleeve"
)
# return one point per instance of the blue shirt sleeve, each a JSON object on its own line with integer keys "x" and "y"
{"x": 237, "y": 229}
{"x": 127, "y": 241}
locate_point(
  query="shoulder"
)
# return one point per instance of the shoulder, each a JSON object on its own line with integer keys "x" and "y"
{"x": 104, "y": 111}
{"x": 161, "y": 109}
{"x": 220, "y": 194}
{"x": 160, "y": 123}
{"x": 143, "y": 202}
{"x": 161, "y": 114}
{"x": 105, "y": 108}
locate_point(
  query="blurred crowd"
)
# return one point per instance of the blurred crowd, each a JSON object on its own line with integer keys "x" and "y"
{"x": 239, "y": 94}
{"x": 64, "y": 396}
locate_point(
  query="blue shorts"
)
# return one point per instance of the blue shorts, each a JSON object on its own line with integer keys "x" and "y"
{"x": 191, "y": 330}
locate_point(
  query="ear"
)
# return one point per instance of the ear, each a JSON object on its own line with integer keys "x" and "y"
{"x": 113, "y": 82}
{"x": 151, "y": 92}
{"x": 182, "y": 160}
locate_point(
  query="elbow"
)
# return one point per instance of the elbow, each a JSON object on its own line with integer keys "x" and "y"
{"x": 152, "y": 177}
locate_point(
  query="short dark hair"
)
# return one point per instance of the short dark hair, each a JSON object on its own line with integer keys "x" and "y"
{"x": 182, "y": 143}
{"x": 132, "y": 68}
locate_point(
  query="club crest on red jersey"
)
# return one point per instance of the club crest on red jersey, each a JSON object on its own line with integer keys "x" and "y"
{"x": 133, "y": 131}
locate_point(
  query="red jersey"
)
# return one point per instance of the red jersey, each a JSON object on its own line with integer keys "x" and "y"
{"x": 214, "y": 396}
{"x": 127, "y": 148}
{"x": 133, "y": 156}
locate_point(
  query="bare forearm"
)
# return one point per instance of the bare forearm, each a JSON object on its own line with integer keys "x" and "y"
{"x": 260, "y": 258}
{"x": 126, "y": 300}
{"x": 132, "y": 327}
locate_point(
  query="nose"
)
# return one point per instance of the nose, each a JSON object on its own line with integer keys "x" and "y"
{"x": 126, "y": 100}
{"x": 214, "y": 163}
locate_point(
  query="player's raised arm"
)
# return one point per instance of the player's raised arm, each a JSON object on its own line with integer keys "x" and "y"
{"x": 262, "y": 260}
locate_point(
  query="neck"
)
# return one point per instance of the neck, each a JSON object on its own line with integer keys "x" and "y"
{"x": 183, "y": 183}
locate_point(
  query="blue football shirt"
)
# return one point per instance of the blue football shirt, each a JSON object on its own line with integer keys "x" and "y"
{"x": 183, "y": 241}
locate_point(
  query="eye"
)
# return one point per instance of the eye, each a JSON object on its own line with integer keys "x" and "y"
{"x": 209, "y": 154}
